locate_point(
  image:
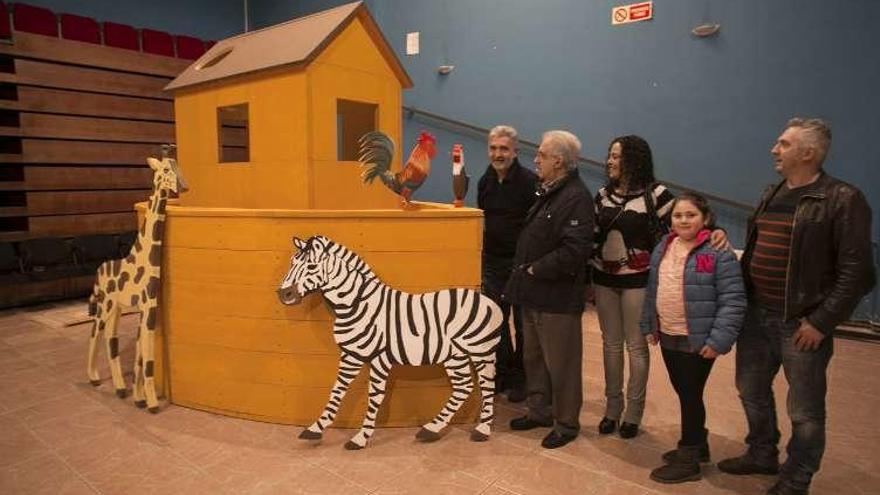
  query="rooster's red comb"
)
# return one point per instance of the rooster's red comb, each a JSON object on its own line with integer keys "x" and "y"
{"x": 426, "y": 138}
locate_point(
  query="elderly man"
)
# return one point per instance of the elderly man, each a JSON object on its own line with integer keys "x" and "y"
{"x": 807, "y": 263}
{"x": 506, "y": 192}
{"x": 548, "y": 283}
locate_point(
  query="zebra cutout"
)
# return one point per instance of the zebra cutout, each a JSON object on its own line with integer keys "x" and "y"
{"x": 381, "y": 326}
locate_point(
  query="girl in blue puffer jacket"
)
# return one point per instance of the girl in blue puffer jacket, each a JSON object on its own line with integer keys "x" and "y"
{"x": 695, "y": 304}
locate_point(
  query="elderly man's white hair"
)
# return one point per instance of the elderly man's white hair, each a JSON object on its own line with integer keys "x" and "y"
{"x": 564, "y": 144}
{"x": 505, "y": 131}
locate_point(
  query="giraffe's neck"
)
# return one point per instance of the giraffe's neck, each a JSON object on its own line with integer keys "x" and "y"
{"x": 148, "y": 248}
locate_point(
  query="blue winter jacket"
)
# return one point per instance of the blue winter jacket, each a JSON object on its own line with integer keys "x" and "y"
{"x": 714, "y": 295}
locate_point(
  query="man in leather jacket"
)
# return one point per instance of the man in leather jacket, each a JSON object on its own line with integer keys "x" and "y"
{"x": 807, "y": 263}
{"x": 548, "y": 283}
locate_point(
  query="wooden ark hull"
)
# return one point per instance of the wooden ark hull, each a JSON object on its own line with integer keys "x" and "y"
{"x": 230, "y": 347}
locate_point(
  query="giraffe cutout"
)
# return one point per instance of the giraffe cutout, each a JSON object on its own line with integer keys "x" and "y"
{"x": 134, "y": 282}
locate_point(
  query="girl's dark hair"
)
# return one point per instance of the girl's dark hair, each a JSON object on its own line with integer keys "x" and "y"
{"x": 701, "y": 203}
{"x": 637, "y": 165}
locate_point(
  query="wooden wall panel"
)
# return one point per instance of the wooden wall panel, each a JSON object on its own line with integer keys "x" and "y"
{"x": 82, "y": 152}
{"x": 48, "y": 75}
{"x": 46, "y": 100}
{"x": 76, "y": 225}
{"x": 66, "y": 127}
{"x": 67, "y": 202}
{"x": 61, "y": 178}
{"x": 35, "y": 46}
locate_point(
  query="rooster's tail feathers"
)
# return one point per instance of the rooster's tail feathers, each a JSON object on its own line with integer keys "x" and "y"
{"x": 375, "y": 151}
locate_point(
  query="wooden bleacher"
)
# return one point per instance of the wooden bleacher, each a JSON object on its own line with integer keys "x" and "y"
{"x": 77, "y": 121}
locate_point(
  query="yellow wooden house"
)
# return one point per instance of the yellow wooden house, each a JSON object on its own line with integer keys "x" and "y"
{"x": 270, "y": 119}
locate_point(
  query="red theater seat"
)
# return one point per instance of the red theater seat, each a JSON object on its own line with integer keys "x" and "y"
{"x": 5, "y": 28}
{"x": 79, "y": 28}
{"x": 157, "y": 42}
{"x": 189, "y": 48}
{"x": 121, "y": 36}
{"x": 35, "y": 20}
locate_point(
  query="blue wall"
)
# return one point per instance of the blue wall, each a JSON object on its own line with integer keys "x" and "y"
{"x": 206, "y": 19}
{"x": 710, "y": 107}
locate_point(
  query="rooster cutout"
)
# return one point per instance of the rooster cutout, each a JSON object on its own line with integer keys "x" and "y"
{"x": 460, "y": 177}
{"x": 376, "y": 152}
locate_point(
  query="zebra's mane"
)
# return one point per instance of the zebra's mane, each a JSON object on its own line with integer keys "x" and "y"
{"x": 348, "y": 257}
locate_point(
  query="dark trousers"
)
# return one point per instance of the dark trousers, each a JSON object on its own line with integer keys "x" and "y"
{"x": 509, "y": 353}
{"x": 688, "y": 372}
{"x": 552, "y": 356}
{"x": 765, "y": 344}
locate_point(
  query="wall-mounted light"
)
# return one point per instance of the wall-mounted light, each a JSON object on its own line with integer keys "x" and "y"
{"x": 445, "y": 69}
{"x": 705, "y": 30}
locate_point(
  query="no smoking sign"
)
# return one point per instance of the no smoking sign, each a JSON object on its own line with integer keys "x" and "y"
{"x": 624, "y": 14}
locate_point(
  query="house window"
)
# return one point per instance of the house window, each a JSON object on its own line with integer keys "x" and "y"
{"x": 353, "y": 120}
{"x": 233, "y": 133}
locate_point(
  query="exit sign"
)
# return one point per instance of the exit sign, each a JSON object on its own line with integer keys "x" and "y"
{"x": 635, "y": 12}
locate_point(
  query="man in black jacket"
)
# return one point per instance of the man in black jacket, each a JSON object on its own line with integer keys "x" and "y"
{"x": 807, "y": 263}
{"x": 505, "y": 193}
{"x": 548, "y": 283}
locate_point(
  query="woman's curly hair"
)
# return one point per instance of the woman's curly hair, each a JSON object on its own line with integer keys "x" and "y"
{"x": 637, "y": 164}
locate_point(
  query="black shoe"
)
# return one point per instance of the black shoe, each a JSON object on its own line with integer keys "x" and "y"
{"x": 669, "y": 457}
{"x": 526, "y": 423}
{"x": 782, "y": 488}
{"x": 516, "y": 395}
{"x": 684, "y": 468}
{"x": 554, "y": 440}
{"x": 607, "y": 426}
{"x": 628, "y": 430}
{"x": 744, "y": 464}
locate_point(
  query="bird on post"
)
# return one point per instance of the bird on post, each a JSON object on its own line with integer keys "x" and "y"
{"x": 376, "y": 152}
{"x": 460, "y": 179}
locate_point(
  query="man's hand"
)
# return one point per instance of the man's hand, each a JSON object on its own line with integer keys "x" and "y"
{"x": 807, "y": 337}
{"x": 719, "y": 241}
{"x": 651, "y": 339}
{"x": 708, "y": 353}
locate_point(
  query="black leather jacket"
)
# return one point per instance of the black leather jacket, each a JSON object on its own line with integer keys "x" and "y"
{"x": 830, "y": 265}
{"x": 555, "y": 241}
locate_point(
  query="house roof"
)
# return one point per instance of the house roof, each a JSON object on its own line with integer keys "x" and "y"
{"x": 294, "y": 43}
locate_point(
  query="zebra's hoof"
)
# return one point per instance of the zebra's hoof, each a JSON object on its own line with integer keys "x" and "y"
{"x": 95, "y": 383}
{"x": 140, "y": 404}
{"x": 478, "y": 436}
{"x": 153, "y": 410}
{"x": 310, "y": 435}
{"x": 121, "y": 393}
{"x": 427, "y": 435}
{"x": 349, "y": 445}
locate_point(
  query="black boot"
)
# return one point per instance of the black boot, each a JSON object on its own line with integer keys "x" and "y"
{"x": 685, "y": 467}
{"x": 669, "y": 457}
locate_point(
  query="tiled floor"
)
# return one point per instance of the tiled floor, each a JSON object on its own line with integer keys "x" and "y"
{"x": 61, "y": 436}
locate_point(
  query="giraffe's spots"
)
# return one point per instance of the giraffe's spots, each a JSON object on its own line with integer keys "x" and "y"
{"x": 129, "y": 258}
{"x": 137, "y": 242}
{"x": 113, "y": 344}
{"x": 134, "y": 300}
{"x": 152, "y": 314}
{"x": 123, "y": 279}
{"x": 111, "y": 286}
{"x": 153, "y": 287}
{"x": 116, "y": 264}
{"x": 143, "y": 228}
{"x": 155, "y": 255}
{"x": 109, "y": 304}
{"x": 148, "y": 369}
{"x": 158, "y": 225}
{"x": 138, "y": 275}
{"x": 101, "y": 326}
